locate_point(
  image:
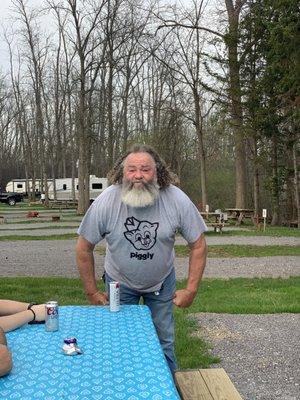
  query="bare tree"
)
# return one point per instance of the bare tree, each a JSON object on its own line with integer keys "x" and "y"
{"x": 36, "y": 58}
{"x": 231, "y": 40}
{"x": 85, "y": 20}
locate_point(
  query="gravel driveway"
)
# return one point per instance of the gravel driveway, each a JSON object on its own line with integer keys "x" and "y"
{"x": 260, "y": 353}
{"x": 57, "y": 258}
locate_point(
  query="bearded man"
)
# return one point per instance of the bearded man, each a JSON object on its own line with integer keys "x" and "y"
{"x": 139, "y": 216}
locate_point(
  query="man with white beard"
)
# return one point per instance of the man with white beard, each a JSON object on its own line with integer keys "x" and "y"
{"x": 139, "y": 215}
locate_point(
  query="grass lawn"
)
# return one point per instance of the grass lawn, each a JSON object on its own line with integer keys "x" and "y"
{"x": 245, "y": 296}
{"x": 23, "y": 206}
{"x": 231, "y": 250}
{"x": 65, "y": 236}
{"x": 53, "y": 226}
{"x": 63, "y": 218}
{"x": 276, "y": 231}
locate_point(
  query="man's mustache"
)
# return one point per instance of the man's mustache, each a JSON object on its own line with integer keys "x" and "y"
{"x": 130, "y": 184}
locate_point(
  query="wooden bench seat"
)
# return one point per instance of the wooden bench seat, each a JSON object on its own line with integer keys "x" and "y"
{"x": 62, "y": 204}
{"x": 205, "y": 384}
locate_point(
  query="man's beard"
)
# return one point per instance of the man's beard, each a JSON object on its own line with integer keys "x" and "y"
{"x": 142, "y": 196}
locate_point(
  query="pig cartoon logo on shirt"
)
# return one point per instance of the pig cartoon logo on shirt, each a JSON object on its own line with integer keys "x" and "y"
{"x": 141, "y": 234}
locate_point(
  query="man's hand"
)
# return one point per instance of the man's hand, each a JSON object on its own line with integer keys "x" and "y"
{"x": 183, "y": 298}
{"x": 98, "y": 298}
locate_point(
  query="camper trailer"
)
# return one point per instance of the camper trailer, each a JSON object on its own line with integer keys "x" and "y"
{"x": 63, "y": 188}
{"x": 19, "y": 186}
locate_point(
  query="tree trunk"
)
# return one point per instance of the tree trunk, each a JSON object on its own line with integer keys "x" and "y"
{"x": 201, "y": 152}
{"x": 296, "y": 182}
{"x": 231, "y": 41}
{"x": 275, "y": 185}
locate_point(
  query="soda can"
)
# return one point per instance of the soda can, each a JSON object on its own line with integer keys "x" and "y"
{"x": 114, "y": 296}
{"x": 51, "y": 321}
{"x": 70, "y": 347}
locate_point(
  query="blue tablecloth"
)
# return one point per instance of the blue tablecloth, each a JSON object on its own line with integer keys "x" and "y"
{"x": 122, "y": 358}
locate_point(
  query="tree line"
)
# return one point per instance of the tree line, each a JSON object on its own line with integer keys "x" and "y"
{"x": 214, "y": 86}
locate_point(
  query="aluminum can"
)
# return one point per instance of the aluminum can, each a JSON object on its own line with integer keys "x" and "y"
{"x": 70, "y": 347}
{"x": 114, "y": 296}
{"x": 51, "y": 322}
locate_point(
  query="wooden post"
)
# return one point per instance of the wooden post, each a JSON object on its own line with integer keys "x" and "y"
{"x": 207, "y": 210}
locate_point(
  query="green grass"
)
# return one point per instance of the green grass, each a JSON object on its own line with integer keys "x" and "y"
{"x": 191, "y": 351}
{"x": 53, "y": 226}
{"x": 232, "y": 250}
{"x": 275, "y": 231}
{"x": 11, "y": 238}
{"x": 63, "y": 218}
{"x": 246, "y": 296}
{"x": 23, "y": 206}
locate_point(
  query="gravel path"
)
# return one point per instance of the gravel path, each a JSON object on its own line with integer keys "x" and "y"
{"x": 57, "y": 258}
{"x": 38, "y": 229}
{"x": 260, "y": 353}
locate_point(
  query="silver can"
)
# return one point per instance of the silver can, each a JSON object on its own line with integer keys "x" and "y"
{"x": 114, "y": 296}
{"x": 51, "y": 321}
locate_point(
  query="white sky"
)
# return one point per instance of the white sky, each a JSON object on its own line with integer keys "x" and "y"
{"x": 7, "y": 21}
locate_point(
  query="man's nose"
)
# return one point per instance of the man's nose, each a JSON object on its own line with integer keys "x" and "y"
{"x": 138, "y": 174}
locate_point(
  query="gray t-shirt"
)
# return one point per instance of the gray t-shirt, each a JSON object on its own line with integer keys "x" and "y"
{"x": 140, "y": 241}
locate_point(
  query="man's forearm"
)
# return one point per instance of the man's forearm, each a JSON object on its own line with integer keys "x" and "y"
{"x": 86, "y": 267}
{"x": 197, "y": 262}
{"x": 185, "y": 297}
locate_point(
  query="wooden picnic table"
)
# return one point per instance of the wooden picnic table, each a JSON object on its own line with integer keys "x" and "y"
{"x": 216, "y": 215}
{"x": 240, "y": 213}
{"x": 206, "y": 384}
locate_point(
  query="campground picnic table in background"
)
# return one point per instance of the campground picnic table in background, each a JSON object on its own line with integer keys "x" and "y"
{"x": 214, "y": 215}
{"x": 239, "y": 214}
{"x": 218, "y": 217}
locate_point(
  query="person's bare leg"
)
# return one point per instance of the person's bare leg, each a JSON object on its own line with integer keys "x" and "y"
{"x": 5, "y": 356}
{"x": 8, "y": 307}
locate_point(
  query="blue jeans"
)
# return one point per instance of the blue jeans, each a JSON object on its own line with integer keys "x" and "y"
{"x": 161, "y": 307}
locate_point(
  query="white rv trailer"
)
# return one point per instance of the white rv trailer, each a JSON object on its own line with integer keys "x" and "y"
{"x": 63, "y": 188}
{"x": 19, "y": 186}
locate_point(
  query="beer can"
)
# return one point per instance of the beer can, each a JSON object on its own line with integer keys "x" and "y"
{"x": 114, "y": 296}
{"x": 51, "y": 321}
{"x": 70, "y": 347}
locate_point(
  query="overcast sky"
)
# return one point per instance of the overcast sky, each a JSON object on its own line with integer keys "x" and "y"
{"x": 7, "y": 20}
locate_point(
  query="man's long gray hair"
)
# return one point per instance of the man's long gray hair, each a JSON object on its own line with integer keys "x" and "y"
{"x": 164, "y": 176}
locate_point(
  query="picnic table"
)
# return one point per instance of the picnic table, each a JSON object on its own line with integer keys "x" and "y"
{"x": 217, "y": 216}
{"x": 122, "y": 358}
{"x": 218, "y": 224}
{"x": 239, "y": 214}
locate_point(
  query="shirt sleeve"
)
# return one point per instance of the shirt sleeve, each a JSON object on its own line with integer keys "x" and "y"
{"x": 92, "y": 226}
{"x": 192, "y": 224}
